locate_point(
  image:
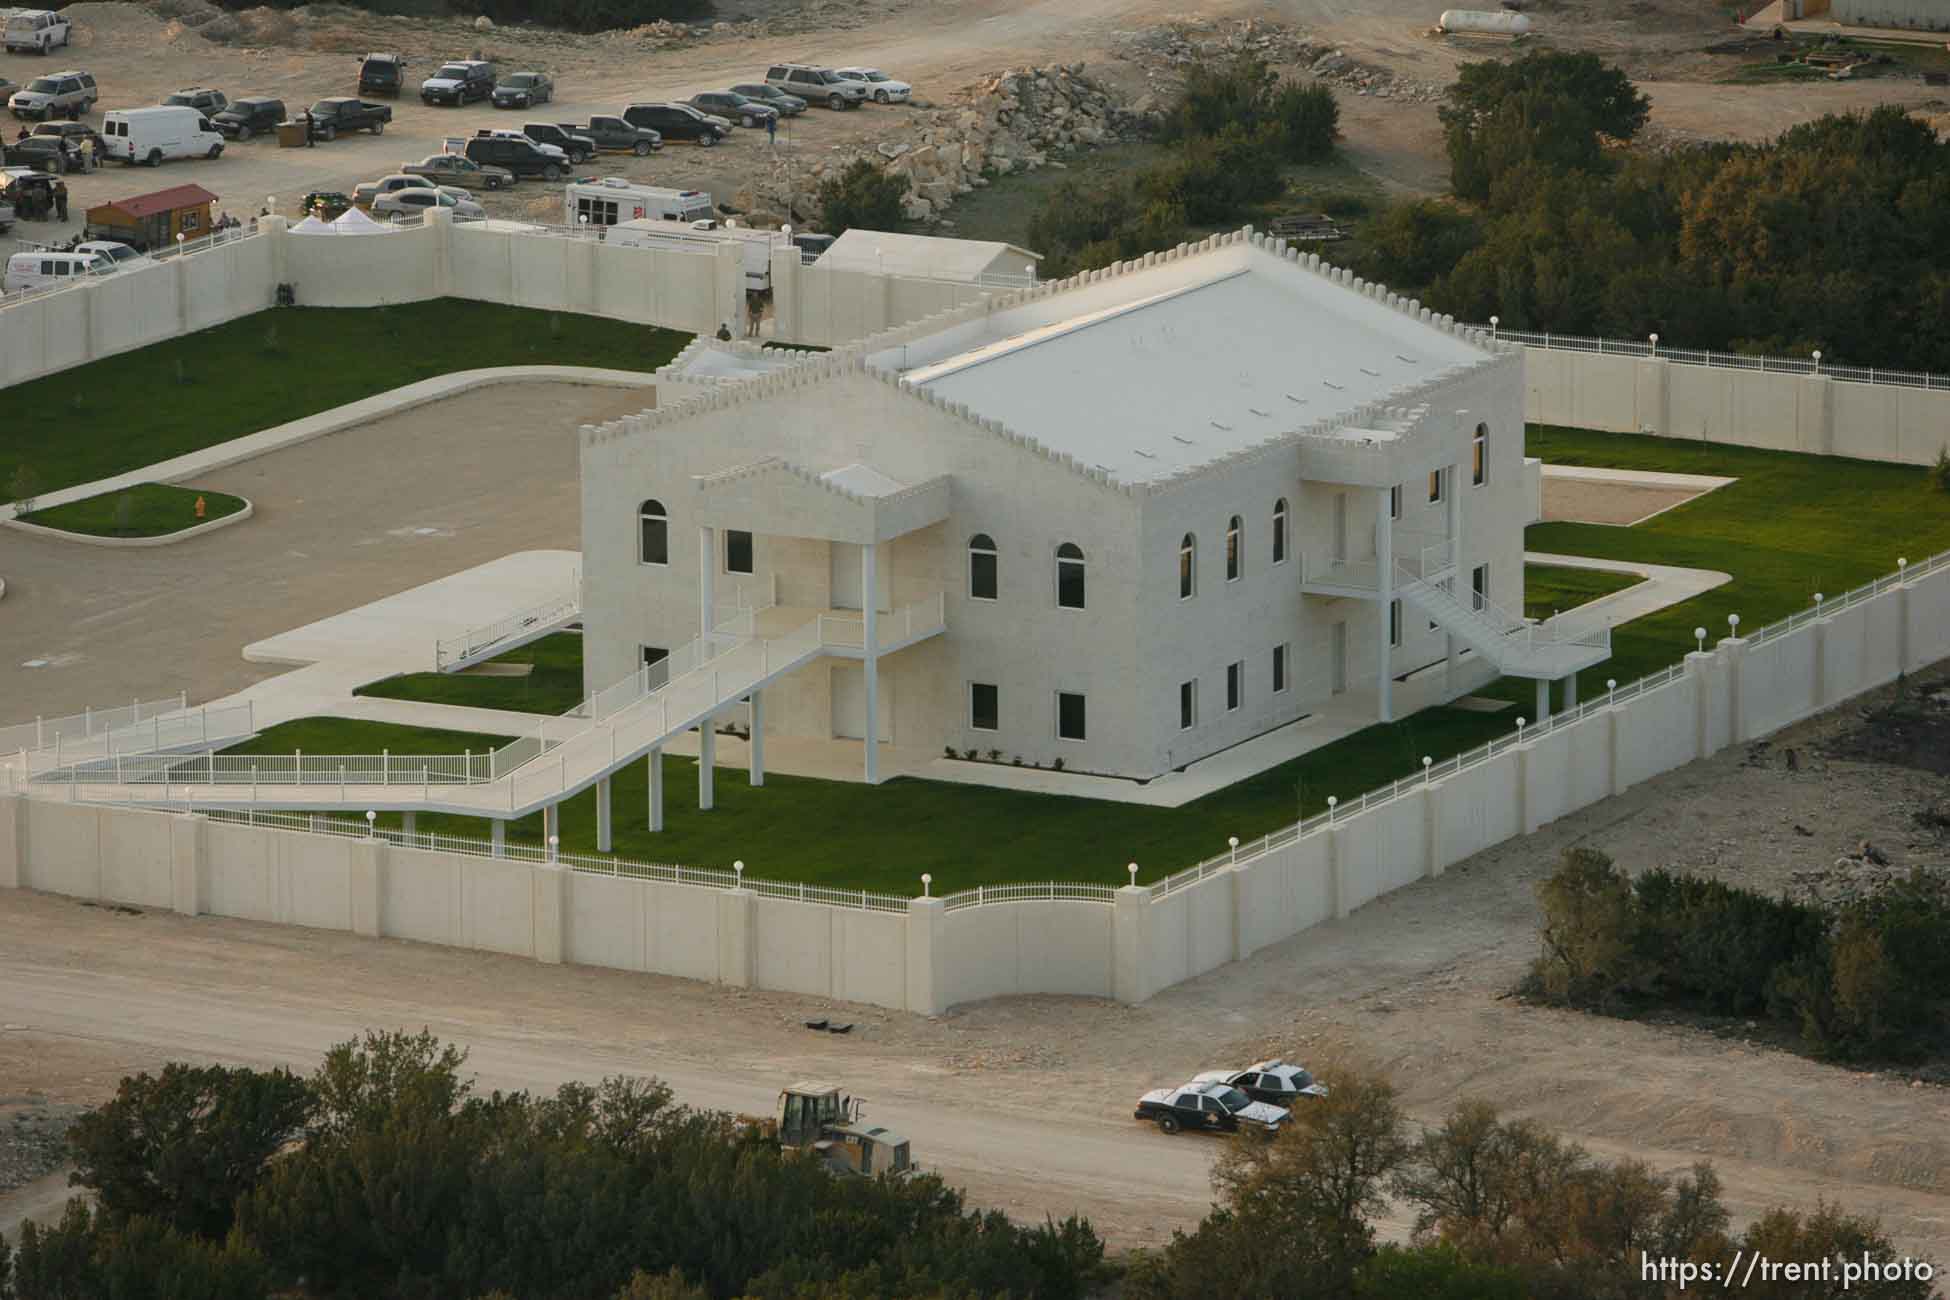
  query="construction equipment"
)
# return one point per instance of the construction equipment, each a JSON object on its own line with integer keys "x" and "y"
{"x": 818, "y": 1119}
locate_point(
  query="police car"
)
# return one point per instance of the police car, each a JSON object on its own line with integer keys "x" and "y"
{"x": 1209, "y": 1106}
{"x": 1276, "y": 1083}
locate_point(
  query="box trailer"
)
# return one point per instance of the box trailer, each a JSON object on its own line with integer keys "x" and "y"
{"x": 613, "y": 199}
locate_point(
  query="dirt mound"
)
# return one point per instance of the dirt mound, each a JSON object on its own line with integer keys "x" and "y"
{"x": 97, "y": 23}
{"x": 1912, "y": 731}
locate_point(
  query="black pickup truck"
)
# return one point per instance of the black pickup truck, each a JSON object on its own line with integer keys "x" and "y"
{"x": 614, "y": 135}
{"x": 332, "y": 117}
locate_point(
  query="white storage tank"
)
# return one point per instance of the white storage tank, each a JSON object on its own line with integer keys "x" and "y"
{"x": 1477, "y": 20}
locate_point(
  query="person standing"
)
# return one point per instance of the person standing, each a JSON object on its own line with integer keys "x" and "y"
{"x": 61, "y": 200}
{"x": 772, "y": 130}
{"x": 311, "y": 131}
{"x": 87, "y": 154}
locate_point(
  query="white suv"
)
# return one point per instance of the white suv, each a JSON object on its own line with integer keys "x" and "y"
{"x": 37, "y": 30}
{"x": 60, "y": 94}
{"x": 818, "y": 85}
{"x": 885, "y": 89}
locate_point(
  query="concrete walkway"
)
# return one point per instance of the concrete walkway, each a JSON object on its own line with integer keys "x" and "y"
{"x": 1664, "y": 585}
{"x": 350, "y": 415}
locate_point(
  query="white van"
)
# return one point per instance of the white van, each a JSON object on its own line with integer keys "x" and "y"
{"x": 704, "y": 237}
{"x": 613, "y": 199}
{"x": 37, "y": 30}
{"x": 35, "y": 270}
{"x": 149, "y": 135}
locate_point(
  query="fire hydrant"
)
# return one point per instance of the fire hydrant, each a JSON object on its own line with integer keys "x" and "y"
{"x": 201, "y": 507}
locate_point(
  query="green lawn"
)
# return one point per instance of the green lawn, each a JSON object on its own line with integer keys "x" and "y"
{"x": 356, "y": 736}
{"x": 124, "y": 412}
{"x": 1553, "y": 588}
{"x": 145, "y": 510}
{"x": 1792, "y": 526}
{"x": 555, "y": 685}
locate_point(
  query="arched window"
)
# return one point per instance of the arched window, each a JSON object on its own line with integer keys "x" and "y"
{"x": 653, "y": 533}
{"x": 981, "y": 567}
{"x": 1069, "y": 576}
{"x": 1187, "y": 567}
{"x": 1480, "y": 456}
{"x": 1279, "y": 531}
{"x": 1235, "y": 557}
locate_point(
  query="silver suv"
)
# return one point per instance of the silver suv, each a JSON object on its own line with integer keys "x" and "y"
{"x": 60, "y": 94}
{"x": 818, "y": 85}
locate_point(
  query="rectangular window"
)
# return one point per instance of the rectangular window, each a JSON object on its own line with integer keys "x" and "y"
{"x": 1187, "y": 570}
{"x": 1279, "y": 669}
{"x": 737, "y": 551}
{"x": 981, "y": 575}
{"x": 1069, "y": 716}
{"x": 1395, "y": 502}
{"x": 1188, "y": 705}
{"x": 1435, "y": 485}
{"x": 1479, "y": 584}
{"x": 654, "y": 542}
{"x": 1394, "y": 622}
{"x": 654, "y": 654}
{"x": 1479, "y": 473}
{"x": 1232, "y": 555}
{"x": 1235, "y": 686}
{"x": 1279, "y": 537}
{"x": 984, "y": 706}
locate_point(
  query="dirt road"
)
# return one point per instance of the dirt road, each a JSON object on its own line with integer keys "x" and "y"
{"x": 1026, "y": 1101}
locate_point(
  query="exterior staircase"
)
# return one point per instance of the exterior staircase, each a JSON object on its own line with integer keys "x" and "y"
{"x": 1517, "y": 647}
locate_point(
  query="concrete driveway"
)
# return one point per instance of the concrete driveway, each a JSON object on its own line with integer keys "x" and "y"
{"x": 340, "y": 521}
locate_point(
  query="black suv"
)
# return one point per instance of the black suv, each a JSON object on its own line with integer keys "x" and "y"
{"x": 734, "y": 107}
{"x": 677, "y": 122}
{"x": 201, "y": 99}
{"x": 459, "y": 82}
{"x": 580, "y": 148}
{"x": 248, "y": 117}
{"x": 382, "y": 74}
{"x": 518, "y": 155}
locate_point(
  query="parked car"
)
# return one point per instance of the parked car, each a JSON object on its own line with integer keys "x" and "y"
{"x": 788, "y": 105}
{"x": 678, "y": 122}
{"x": 459, "y": 82}
{"x": 382, "y": 74}
{"x": 7, "y": 88}
{"x": 1208, "y": 1107}
{"x": 332, "y": 118}
{"x": 578, "y": 148}
{"x": 27, "y": 192}
{"x": 205, "y": 101}
{"x": 523, "y": 90}
{"x": 445, "y": 167}
{"x": 65, "y": 94}
{"x": 46, "y": 153}
{"x": 36, "y": 31}
{"x": 407, "y": 203}
{"x": 37, "y": 269}
{"x": 817, "y": 85}
{"x": 248, "y": 117}
{"x": 518, "y": 155}
{"x": 152, "y": 135}
{"x": 1277, "y": 1083}
{"x": 884, "y": 88}
{"x": 554, "y": 151}
{"x": 614, "y": 135}
{"x": 73, "y": 132}
{"x": 394, "y": 182}
{"x": 326, "y": 205}
{"x": 734, "y": 107}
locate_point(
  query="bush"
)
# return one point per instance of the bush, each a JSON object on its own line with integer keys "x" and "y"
{"x": 1587, "y": 931}
{"x": 1310, "y": 121}
{"x": 864, "y": 195}
{"x": 1939, "y": 473}
{"x": 182, "y": 1146}
{"x": 90, "y": 1256}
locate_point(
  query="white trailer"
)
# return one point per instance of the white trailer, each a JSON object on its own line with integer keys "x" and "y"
{"x": 706, "y": 237}
{"x": 614, "y": 199}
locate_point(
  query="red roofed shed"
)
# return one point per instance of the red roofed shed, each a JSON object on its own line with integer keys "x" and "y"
{"x": 150, "y": 221}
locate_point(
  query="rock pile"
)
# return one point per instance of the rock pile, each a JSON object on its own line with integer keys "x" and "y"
{"x": 1854, "y": 876}
{"x": 1166, "y": 50}
{"x": 1022, "y": 119}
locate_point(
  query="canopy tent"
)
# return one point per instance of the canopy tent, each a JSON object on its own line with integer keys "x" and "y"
{"x": 312, "y": 226}
{"x": 355, "y": 222}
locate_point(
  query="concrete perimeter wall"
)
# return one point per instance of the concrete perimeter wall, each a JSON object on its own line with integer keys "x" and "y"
{"x": 927, "y": 958}
{"x": 1750, "y": 408}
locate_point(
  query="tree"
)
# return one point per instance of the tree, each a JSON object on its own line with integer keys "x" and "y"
{"x": 1552, "y": 108}
{"x": 1587, "y": 930}
{"x": 1827, "y": 1234}
{"x": 664, "y": 1286}
{"x": 90, "y": 1256}
{"x": 182, "y": 1146}
{"x": 863, "y": 195}
{"x": 1434, "y": 1272}
{"x": 1310, "y": 121}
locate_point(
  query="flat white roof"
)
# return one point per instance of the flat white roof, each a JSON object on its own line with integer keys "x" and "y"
{"x": 1175, "y": 366}
{"x": 862, "y": 480}
{"x": 703, "y": 362}
{"x": 935, "y": 255}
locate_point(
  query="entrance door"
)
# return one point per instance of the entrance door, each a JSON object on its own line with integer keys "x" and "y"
{"x": 846, "y": 575}
{"x": 1337, "y": 658}
{"x": 850, "y": 704}
{"x": 1340, "y": 525}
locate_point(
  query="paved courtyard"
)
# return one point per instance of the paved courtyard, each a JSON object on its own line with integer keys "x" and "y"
{"x": 340, "y": 521}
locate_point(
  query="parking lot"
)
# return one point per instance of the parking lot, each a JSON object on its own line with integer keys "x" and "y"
{"x": 117, "y": 44}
